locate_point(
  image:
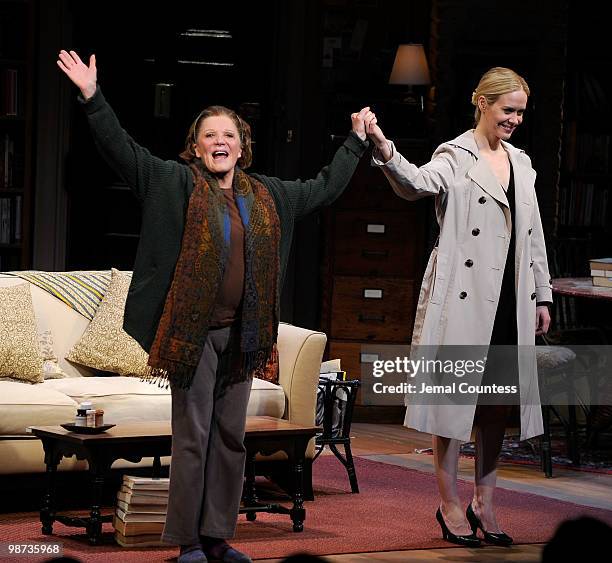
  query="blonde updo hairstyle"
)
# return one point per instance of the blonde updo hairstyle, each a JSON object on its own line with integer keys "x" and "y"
{"x": 494, "y": 83}
{"x": 244, "y": 132}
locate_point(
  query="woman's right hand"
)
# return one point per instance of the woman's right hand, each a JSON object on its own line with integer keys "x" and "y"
{"x": 83, "y": 76}
{"x": 374, "y": 132}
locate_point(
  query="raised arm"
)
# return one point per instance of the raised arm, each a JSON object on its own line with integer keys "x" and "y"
{"x": 306, "y": 196}
{"x": 132, "y": 162}
{"x": 85, "y": 77}
{"x": 408, "y": 180}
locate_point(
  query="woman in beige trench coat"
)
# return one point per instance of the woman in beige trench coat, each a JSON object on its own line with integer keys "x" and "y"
{"x": 487, "y": 210}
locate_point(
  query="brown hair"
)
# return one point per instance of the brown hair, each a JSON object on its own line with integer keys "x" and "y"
{"x": 494, "y": 83}
{"x": 244, "y": 132}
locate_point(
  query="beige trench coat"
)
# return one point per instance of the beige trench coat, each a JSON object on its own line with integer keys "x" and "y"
{"x": 474, "y": 226}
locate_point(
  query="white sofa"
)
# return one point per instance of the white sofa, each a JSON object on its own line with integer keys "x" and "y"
{"x": 128, "y": 399}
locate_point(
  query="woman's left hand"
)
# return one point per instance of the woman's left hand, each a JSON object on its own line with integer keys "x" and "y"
{"x": 542, "y": 320}
{"x": 359, "y": 122}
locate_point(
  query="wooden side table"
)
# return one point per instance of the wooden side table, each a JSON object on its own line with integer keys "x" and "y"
{"x": 267, "y": 435}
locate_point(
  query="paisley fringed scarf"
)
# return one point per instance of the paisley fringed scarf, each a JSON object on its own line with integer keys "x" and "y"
{"x": 184, "y": 323}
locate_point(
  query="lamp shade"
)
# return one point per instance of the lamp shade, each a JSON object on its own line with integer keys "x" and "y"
{"x": 410, "y": 66}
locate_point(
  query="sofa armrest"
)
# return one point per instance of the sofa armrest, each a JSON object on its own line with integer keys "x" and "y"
{"x": 300, "y": 352}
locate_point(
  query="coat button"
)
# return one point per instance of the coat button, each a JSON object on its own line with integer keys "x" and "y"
{"x": 469, "y": 262}
{"x": 533, "y": 296}
{"x": 476, "y": 231}
{"x": 195, "y": 316}
{"x": 530, "y": 231}
{"x": 482, "y": 199}
{"x": 463, "y": 295}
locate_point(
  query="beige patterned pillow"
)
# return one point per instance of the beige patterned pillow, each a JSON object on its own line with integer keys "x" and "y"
{"x": 51, "y": 368}
{"x": 19, "y": 353}
{"x": 105, "y": 345}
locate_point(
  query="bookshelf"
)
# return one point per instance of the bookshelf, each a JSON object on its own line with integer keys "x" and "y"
{"x": 587, "y": 175}
{"x": 583, "y": 229}
{"x": 584, "y": 222}
{"x": 16, "y": 177}
{"x": 585, "y": 186}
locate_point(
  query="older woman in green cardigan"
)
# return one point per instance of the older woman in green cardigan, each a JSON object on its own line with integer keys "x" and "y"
{"x": 204, "y": 297}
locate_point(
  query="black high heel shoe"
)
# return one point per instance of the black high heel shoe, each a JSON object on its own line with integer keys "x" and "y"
{"x": 499, "y": 538}
{"x": 468, "y": 541}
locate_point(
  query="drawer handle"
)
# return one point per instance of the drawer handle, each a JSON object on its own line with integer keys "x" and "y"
{"x": 376, "y": 229}
{"x": 374, "y": 253}
{"x": 372, "y": 318}
{"x": 373, "y": 293}
{"x": 366, "y": 358}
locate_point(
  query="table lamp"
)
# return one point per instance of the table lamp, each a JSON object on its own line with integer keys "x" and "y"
{"x": 410, "y": 69}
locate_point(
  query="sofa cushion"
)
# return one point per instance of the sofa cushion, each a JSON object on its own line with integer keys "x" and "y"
{"x": 105, "y": 345}
{"x": 20, "y": 356}
{"x": 23, "y": 405}
{"x": 267, "y": 399}
{"x": 124, "y": 399}
{"x": 127, "y": 399}
{"x": 51, "y": 367}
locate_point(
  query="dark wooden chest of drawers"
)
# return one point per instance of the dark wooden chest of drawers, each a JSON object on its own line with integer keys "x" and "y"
{"x": 372, "y": 308}
{"x": 374, "y": 261}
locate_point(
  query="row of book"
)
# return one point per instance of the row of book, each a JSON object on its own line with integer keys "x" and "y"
{"x": 11, "y": 95}
{"x": 601, "y": 271}
{"x": 10, "y": 219}
{"x": 583, "y": 204}
{"x": 140, "y": 513}
{"x": 587, "y": 152}
{"x": 12, "y": 164}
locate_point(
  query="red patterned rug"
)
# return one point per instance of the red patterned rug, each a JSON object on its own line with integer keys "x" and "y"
{"x": 394, "y": 511}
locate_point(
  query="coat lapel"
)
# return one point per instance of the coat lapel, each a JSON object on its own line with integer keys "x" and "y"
{"x": 481, "y": 172}
{"x": 524, "y": 179}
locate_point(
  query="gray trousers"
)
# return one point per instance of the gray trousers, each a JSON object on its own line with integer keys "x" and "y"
{"x": 208, "y": 454}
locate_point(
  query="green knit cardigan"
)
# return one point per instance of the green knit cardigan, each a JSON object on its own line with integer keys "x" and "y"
{"x": 163, "y": 187}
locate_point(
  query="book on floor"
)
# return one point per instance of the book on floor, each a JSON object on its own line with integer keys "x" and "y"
{"x": 147, "y": 540}
{"x": 146, "y": 483}
{"x": 139, "y": 516}
{"x": 141, "y": 508}
{"x": 142, "y": 497}
{"x": 137, "y": 528}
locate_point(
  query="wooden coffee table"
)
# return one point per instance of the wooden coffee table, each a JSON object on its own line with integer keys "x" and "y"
{"x": 133, "y": 441}
{"x": 125, "y": 441}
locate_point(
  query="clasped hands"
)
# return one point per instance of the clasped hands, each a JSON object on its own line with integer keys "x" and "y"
{"x": 365, "y": 125}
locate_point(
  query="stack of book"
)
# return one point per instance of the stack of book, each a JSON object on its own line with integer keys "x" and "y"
{"x": 140, "y": 514}
{"x": 601, "y": 271}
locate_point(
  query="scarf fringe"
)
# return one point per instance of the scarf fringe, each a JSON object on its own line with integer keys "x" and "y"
{"x": 175, "y": 374}
{"x": 181, "y": 375}
{"x": 156, "y": 376}
{"x": 256, "y": 360}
